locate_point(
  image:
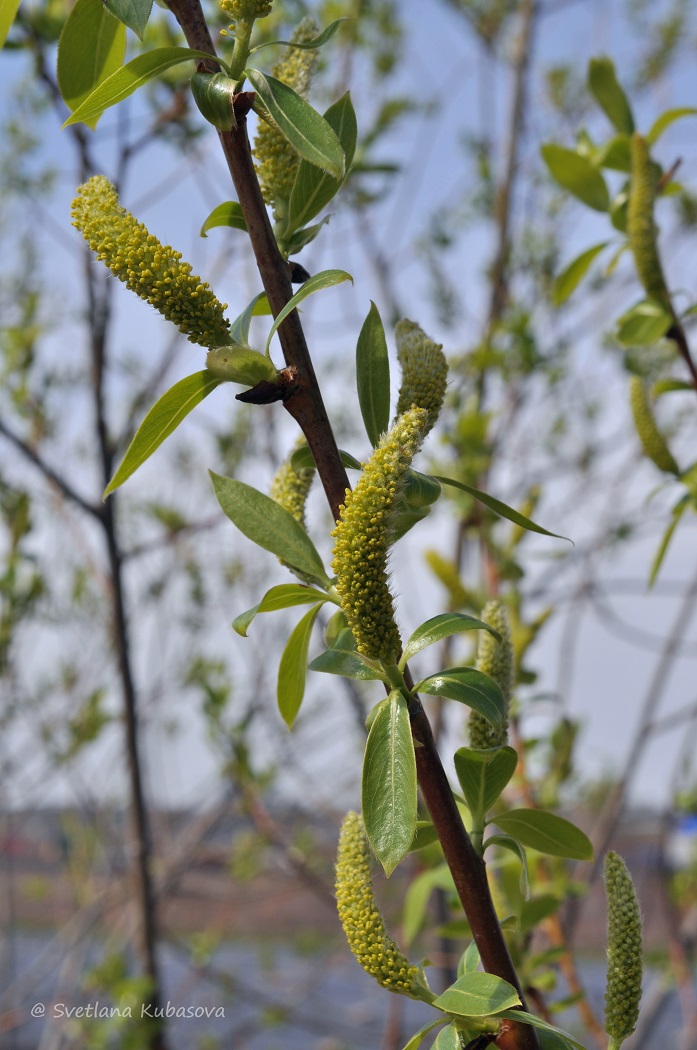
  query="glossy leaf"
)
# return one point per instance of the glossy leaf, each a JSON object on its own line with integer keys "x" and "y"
{"x": 603, "y": 83}
{"x": 293, "y": 667}
{"x": 259, "y": 307}
{"x": 448, "y": 1039}
{"x": 313, "y": 189}
{"x": 91, "y": 48}
{"x": 268, "y": 525}
{"x": 578, "y": 175}
{"x": 546, "y": 832}
{"x": 570, "y": 277}
{"x": 543, "y": 1026}
{"x": 227, "y": 214}
{"x": 512, "y": 844}
{"x": 129, "y": 78}
{"x": 301, "y": 238}
{"x": 324, "y": 279}
{"x": 310, "y": 45}
{"x": 676, "y": 514}
{"x": 421, "y": 490}
{"x": 345, "y": 663}
{"x": 644, "y": 324}
{"x": 470, "y": 959}
{"x": 8, "y": 13}
{"x": 282, "y": 596}
{"x": 500, "y": 508}
{"x": 302, "y": 459}
{"x": 442, "y": 626}
{"x": 468, "y": 686}
{"x": 666, "y": 119}
{"x": 308, "y": 133}
{"x": 417, "y": 897}
{"x": 133, "y": 13}
{"x": 483, "y": 774}
{"x": 418, "y": 1037}
{"x": 373, "y": 376}
{"x": 477, "y": 994}
{"x": 425, "y": 835}
{"x": 388, "y": 788}
{"x": 161, "y": 421}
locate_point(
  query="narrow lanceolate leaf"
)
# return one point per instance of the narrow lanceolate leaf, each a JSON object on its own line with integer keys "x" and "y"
{"x": 133, "y": 13}
{"x": 91, "y": 48}
{"x": 607, "y": 92}
{"x": 227, "y": 214}
{"x": 161, "y": 421}
{"x": 8, "y": 13}
{"x": 293, "y": 667}
{"x": 478, "y": 995}
{"x": 467, "y": 686}
{"x": 676, "y": 514}
{"x": 577, "y": 174}
{"x": 388, "y": 789}
{"x": 346, "y": 664}
{"x": 439, "y": 627}
{"x": 239, "y": 329}
{"x": 269, "y": 525}
{"x": 502, "y": 509}
{"x": 308, "y": 133}
{"x": 314, "y": 189}
{"x": 129, "y": 78}
{"x": 325, "y": 279}
{"x": 483, "y": 774}
{"x": 542, "y": 1026}
{"x": 283, "y": 596}
{"x": 317, "y": 41}
{"x": 644, "y": 324}
{"x": 418, "y": 1037}
{"x": 569, "y": 279}
{"x": 666, "y": 119}
{"x": 547, "y": 833}
{"x": 373, "y": 376}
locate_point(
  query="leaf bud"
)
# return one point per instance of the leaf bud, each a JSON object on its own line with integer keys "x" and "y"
{"x": 213, "y": 94}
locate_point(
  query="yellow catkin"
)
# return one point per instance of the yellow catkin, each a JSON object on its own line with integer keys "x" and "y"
{"x": 652, "y": 440}
{"x": 363, "y": 536}
{"x": 246, "y": 9}
{"x": 641, "y": 227}
{"x": 363, "y": 924}
{"x": 424, "y": 370}
{"x": 624, "y": 952}
{"x": 152, "y": 270}
{"x": 276, "y": 161}
{"x": 497, "y": 660}
{"x": 290, "y": 488}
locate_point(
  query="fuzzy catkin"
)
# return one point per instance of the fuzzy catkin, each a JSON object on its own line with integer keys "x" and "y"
{"x": 290, "y": 488}
{"x": 363, "y": 536}
{"x": 276, "y": 161}
{"x": 152, "y": 270}
{"x": 246, "y": 9}
{"x": 424, "y": 370}
{"x": 363, "y": 924}
{"x": 641, "y": 227}
{"x": 624, "y": 951}
{"x": 497, "y": 660}
{"x": 652, "y": 440}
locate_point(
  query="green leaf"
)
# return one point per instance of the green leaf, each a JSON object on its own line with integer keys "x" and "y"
{"x": 259, "y": 307}
{"x": 500, "y": 508}
{"x": 8, "y": 13}
{"x": 324, "y": 279}
{"x": 313, "y": 189}
{"x": 511, "y": 844}
{"x": 91, "y": 49}
{"x": 676, "y": 514}
{"x": 302, "y": 459}
{"x": 569, "y": 279}
{"x": 477, "y": 995}
{"x": 418, "y": 1037}
{"x": 293, "y": 666}
{"x": 536, "y": 910}
{"x": 644, "y": 324}
{"x": 483, "y": 775}
{"x": 425, "y": 835}
{"x": 268, "y": 525}
{"x": 420, "y": 490}
{"x": 388, "y": 788}
{"x": 546, "y": 832}
{"x": 129, "y": 78}
{"x": 347, "y": 664}
{"x": 607, "y": 92}
{"x": 670, "y": 386}
{"x": 577, "y": 175}
{"x": 373, "y": 376}
{"x": 133, "y": 13}
{"x": 161, "y": 421}
{"x": 417, "y": 897}
{"x": 227, "y": 214}
{"x": 317, "y": 41}
{"x": 614, "y": 259}
{"x": 283, "y": 596}
{"x": 442, "y": 626}
{"x": 467, "y": 686}
{"x": 308, "y": 133}
{"x": 616, "y": 154}
{"x": 544, "y": 1026}
{"x": 666, "y": 119}
{"x": 301, "y": 238}
{"x": 448, "y": 1039}
{"x": 470, "y": 959}
{"x": 619, "y": 209}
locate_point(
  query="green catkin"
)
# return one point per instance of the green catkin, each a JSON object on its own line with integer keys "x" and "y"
{"x": 152, "y": 270}
{"x": 276, "y": 161}
{"x": 497, "y": 660}
{"x": 290, "y": 488}
{"x": 641, "y": 227}
{"x": 246, "y": 9}
{"x": 363, "y": 924}
{"x": 624, "y": 952}
{"x": 652, "y": 440}
{"x": 363, "y": 536}
{"x": 424, "y": 370}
